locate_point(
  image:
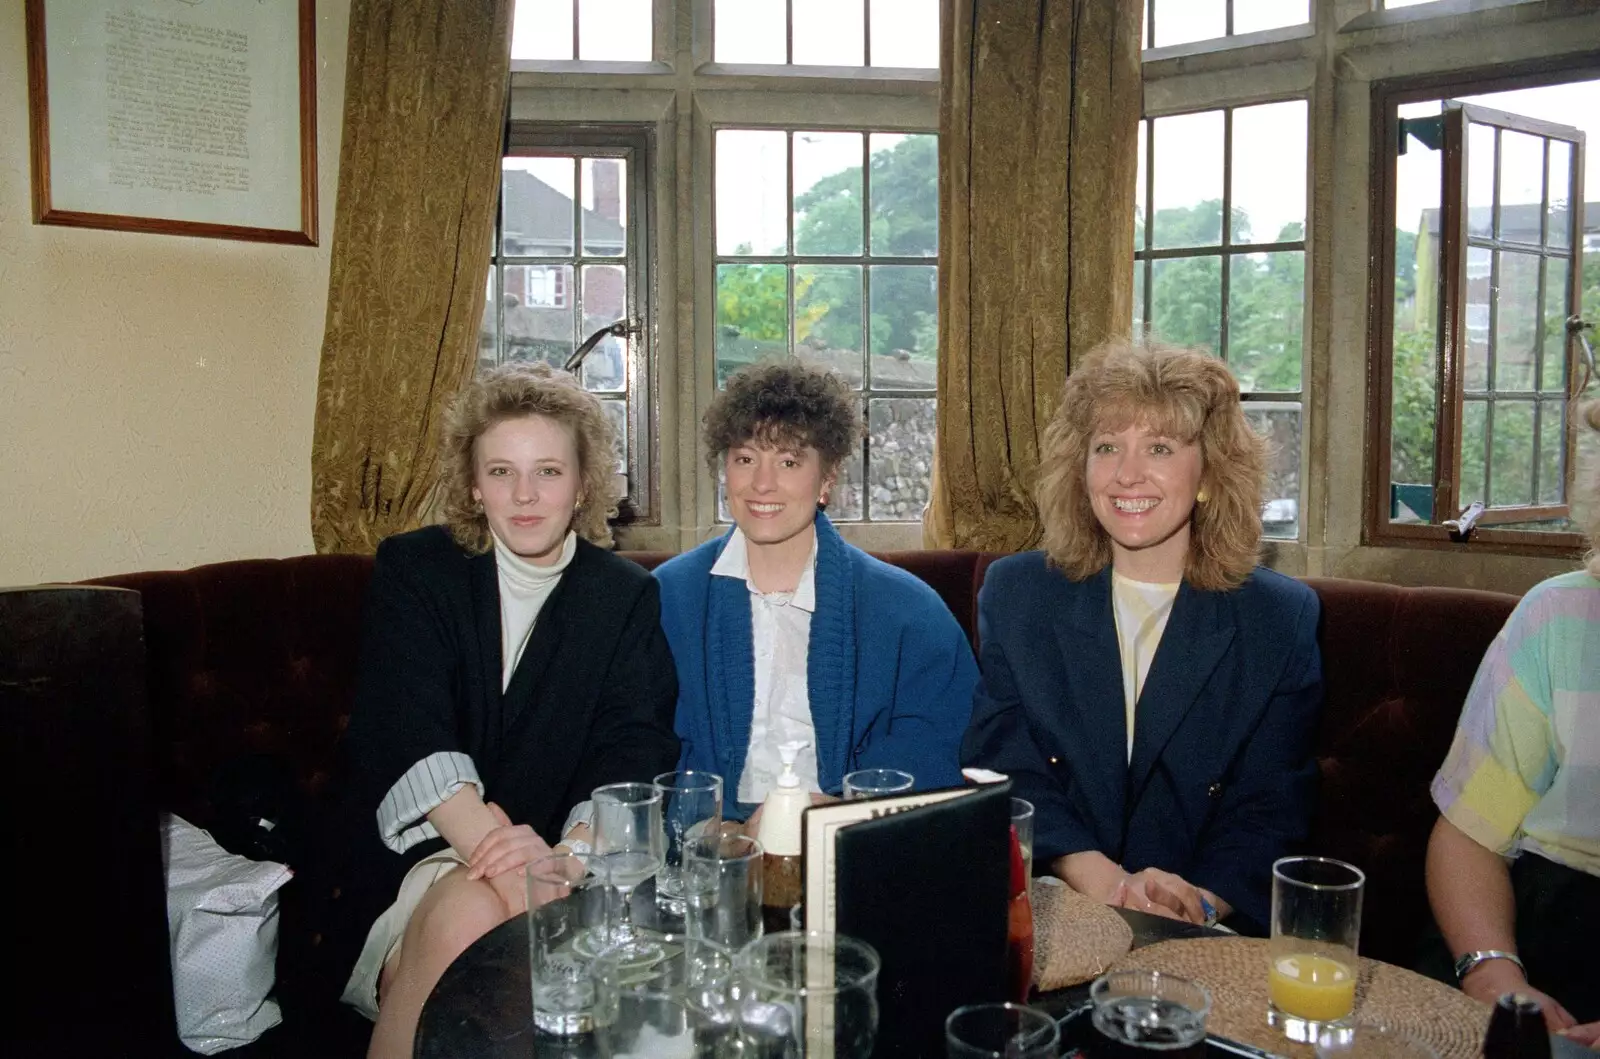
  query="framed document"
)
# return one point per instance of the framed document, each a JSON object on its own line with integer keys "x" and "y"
{"x": 188, "y": 117}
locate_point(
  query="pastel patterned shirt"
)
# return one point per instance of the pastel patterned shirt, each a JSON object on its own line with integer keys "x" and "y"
{"x": 1523, "y": 773}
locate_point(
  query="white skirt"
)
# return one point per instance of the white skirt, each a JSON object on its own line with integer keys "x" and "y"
{"x": 389, "y": 929}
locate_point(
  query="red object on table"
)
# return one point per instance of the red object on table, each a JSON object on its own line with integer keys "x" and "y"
{"x": 1019, "y": 931}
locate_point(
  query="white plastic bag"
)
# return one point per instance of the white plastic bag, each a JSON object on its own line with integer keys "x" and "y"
{"x": 222, "y": 919}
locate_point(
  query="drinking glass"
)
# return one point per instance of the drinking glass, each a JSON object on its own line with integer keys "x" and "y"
{"x": 722, "y": 889}
{"x": 681, "y": 1005}
{"x": 1142, "y": 1011}
{"x": 1312, "y": 968}
{"x": 691, "y": 805}
{"x": 1022, "y": 824}
{"x": 629, "y": 838}
{"x": 875, "y": 783}
{"x": 808, "y": 994}
{"x": 569, "y": 898}
{"x": 1369, "y": 1040}
{"x": 1000, "y": 1031}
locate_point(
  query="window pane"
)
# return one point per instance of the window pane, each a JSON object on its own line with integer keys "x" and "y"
{"x": 1512, "y": 467}
{"x": 1560, "y": 192}
{"x": 1266, "y": 304}
{"x": 1516, "y": 322}
{"x": 844, "y": 503}
{"x": 827, "y": 318}
{"x": 1139, "y": 203}
{"x": 752, "y": 191}
{"x": 1186, "y": 301}
{"x": 1416, "y": 306}
{"x": 905, "y": 327}
{"x": 1251, "y": 15}
{"x": 1269, "y": 172}
{"x": 1480, "y": 179}
{"x": 614, "y": 30}
{"x": 1138, "y": 299}
{"x": 1280, "y": 426}
{"x": 829, "y": 33}
{"x": 489, "y": 326}
{"x": 1557, "y": 275}
{"x": 617, "y": 411}
{"x": 1476, "y": 374}
{"x": 538, "y": 313}
{"x": 902, "y": 431}
{"x": 752, "y": 315}
{"x": 1521, "y": 186}
{"x": 1182, "y": 21}
{"x": 1474, "y": 449}
{"x": 827, "y": 193}
{"x": 605, "y": 301}
{"x": 1188, "y": 180}
{"x": 1415, "y": 412}
{"x": 905, "y": 33}
{"x": 536, "y": 207}
{"x": 1552, "y": 452}
{"x": 541, "y": 29}
{"x": 605, "y": 206}
{"x": 904, "y": 175}
{"x": 750, "y": 31}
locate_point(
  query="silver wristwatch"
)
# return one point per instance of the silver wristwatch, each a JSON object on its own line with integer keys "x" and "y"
{"x": 1469, "y": 960}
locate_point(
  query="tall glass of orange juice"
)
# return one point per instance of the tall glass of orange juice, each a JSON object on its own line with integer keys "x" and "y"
{"x": 1311, "y": 965}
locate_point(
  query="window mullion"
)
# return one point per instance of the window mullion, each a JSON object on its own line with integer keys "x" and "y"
{"x": 1452, "y": 317}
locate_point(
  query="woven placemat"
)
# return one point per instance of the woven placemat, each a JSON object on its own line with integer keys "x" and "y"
{"x": 1075, "y": 938}
{"x": 1235, "y": 970}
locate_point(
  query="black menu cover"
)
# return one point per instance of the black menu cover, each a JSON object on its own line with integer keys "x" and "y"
{"x": 925, "y": 880}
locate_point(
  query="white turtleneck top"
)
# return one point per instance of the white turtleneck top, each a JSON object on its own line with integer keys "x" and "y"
{"x": 524, "y": 588}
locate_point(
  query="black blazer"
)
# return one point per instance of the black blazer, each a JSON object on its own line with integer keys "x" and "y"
{"x": 591, "y": 701}
{"x": 1221, "y": 779}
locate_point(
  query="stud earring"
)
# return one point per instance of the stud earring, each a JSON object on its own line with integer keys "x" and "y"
{"x": 1201, "y": 497}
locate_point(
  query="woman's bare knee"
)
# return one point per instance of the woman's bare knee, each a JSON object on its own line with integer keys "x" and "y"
{"x": 456, "y": 912}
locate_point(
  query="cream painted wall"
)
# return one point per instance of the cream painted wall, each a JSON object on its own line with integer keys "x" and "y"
{"x": 156, "y": 392}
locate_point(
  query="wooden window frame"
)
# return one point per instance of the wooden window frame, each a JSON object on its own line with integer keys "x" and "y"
{"x": 1379, "y": 530}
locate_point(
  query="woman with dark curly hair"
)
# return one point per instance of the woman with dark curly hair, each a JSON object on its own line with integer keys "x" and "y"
{"x": 782, "y": 632}
{"x": 1146, "y": 685}
{"x": 506, "y": 655}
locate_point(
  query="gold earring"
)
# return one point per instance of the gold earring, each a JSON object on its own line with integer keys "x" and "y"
{"x": 1201, "y": 497}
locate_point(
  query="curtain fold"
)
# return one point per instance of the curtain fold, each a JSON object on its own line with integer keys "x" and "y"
{"x": 419, "y": 179}
{"x": 1037, "y": 155}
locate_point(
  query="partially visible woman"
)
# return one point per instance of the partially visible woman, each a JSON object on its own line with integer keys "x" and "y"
{"x": 509, "y": 665}
{"x": 1513, "y": 864}
{"x": 1145, "y": 684}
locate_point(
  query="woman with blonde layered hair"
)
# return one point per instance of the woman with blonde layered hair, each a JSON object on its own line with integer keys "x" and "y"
{"x": 509, "y": 665}
{"x": 1144, "y": 683}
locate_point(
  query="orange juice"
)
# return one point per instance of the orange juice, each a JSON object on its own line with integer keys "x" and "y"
{"x": 1315, "y": 988}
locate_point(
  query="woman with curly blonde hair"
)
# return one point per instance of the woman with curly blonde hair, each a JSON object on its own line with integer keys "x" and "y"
{"x": 509, "y": 665}
{"x": 1513, "y": 864}
{"x": 1149, "y": 688}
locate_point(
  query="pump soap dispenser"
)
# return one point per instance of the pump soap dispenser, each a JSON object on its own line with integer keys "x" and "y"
{"x": 781, "y": 827}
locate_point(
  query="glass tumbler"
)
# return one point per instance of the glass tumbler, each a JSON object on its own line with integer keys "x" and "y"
{"x": 1000, "y": 1031}
{"x": 691, "y": 806}
{"x": 1147, "y": 1011}
{"x": 722, "y": 891}
{"x": 1312, "y": 967}
{"x": 876, "y": 783}
{"x": 569, "y": 899}
{"x": 808, "y": 995}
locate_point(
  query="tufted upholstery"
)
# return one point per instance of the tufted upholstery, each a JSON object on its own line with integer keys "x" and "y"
{"x": 260, "y": 655}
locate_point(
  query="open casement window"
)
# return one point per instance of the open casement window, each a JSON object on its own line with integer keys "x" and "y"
{"x": 1506, "y": 264}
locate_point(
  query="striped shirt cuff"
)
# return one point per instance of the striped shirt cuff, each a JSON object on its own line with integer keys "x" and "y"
{"x": 403, "y": 815}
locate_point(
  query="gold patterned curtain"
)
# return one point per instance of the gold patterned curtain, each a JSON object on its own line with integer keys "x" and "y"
{"x": 419, "y": 175}
{"x": 1037, "y": 151}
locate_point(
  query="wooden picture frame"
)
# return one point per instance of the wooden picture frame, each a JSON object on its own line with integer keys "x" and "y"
{"x": 181, "y": 117}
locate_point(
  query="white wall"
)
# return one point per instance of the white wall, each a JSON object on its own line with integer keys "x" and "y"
{"x": 156, "y": 392}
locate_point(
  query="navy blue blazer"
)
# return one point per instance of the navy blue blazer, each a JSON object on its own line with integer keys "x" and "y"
{"x": 1221, "y": 782}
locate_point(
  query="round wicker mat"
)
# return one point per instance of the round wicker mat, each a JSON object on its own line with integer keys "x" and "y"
{"x": 1235, "y": 970}
{"x": 1075, "y": 938}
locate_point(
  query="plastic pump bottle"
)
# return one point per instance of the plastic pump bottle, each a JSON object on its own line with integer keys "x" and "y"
{"x": 781, "y": 827}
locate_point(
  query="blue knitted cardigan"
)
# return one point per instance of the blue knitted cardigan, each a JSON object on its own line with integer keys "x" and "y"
{"x": 889, "y": 672}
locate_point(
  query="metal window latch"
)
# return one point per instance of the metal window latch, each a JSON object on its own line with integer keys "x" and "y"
{"x": 620, "y": 329}
{"x": 1576, "y": 326}
{"x": 1462, "y": 525}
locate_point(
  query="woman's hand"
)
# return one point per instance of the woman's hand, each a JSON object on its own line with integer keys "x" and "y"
{"x": 1587, "y": 1034}
{"x": 508, "y": 847}
{"x": 1492, "y": 979}
{"x": 1161, "y": 893}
